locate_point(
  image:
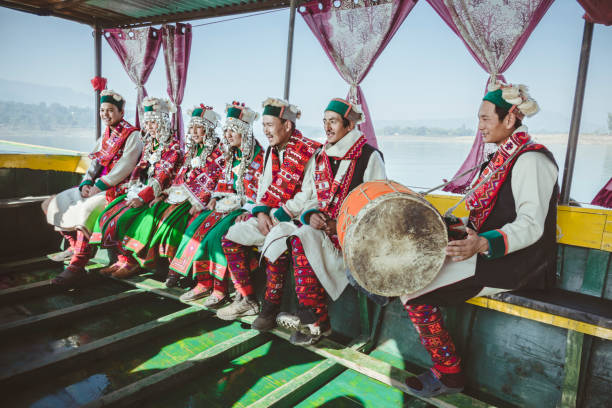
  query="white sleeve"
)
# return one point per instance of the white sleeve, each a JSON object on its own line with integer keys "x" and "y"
{"x": 375, "y": 169}
{"x": 533, "y": 179}
{"x": 123, "y": 168}
{"x": 94, "y": 167}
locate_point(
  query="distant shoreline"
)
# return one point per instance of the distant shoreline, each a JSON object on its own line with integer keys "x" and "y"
{"x": 548, "y": 138}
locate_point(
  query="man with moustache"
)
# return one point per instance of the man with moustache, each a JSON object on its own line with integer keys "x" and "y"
{"x": 345, "y": 162}
{"x": 511, "y": 234}
{"x": 287, "y": 164}
{"x": 73, "y": 212}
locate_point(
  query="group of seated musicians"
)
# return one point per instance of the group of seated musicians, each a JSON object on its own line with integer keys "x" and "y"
{"x": 224, "y": 203}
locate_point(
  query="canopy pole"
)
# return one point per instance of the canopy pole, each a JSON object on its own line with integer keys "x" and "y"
{"x": 98, "y": 72}
{"x": 572, "y": 142}
{"x": 289, "y": 48}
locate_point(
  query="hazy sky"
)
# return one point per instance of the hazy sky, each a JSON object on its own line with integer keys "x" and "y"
{"x": 425, "y": 72}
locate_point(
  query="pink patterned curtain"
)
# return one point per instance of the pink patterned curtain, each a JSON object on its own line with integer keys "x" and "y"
{"x": 137, "y": 50}
{"x": 177, "y": 48}
{"x": 353, "y": 35}
{"x": 597, "y": 11}
{"x": 494, "y": 32}
{"x": 600, "y": 12}
{"x": 604, "y": 197}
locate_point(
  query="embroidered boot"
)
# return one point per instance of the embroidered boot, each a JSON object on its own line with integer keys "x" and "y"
{"x": 83, "y": 252}
{"x": 445, "y": 377}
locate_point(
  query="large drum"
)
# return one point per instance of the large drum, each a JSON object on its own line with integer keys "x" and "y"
{"x": 393, "y": 240}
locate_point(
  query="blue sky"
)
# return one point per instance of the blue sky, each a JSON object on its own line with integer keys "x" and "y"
{"x": 425, "y": 72}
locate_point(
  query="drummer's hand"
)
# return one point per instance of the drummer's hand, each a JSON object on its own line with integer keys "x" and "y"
{"x": 463, "y": 249}
{"x": 317, "y": 221}
{"x": 211, "y": 204}
{"x": 243, "y": 217}
{"x": 135, "y": 203}
{"x": 264, "y": 223}
{"x": 330, "y": 229}
{"x": 85, "y": 191}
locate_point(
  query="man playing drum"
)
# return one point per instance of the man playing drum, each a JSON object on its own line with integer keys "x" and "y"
{"x": 342, "y": 164}
{"x": 287, "y": 164}
{"x": 511, "y": 234}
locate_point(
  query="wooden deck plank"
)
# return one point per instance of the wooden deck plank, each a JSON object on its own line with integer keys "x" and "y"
{"x": 70, "y": 312}
{"x": 542, "y": 317}
{"x": 573, "y": 356}
{"x": 596, "y": 273}
{"x": 380, "y": 371}
{"x": 302, "y": 386}
{"x": 29, "y": 290}
{"x": 181, "y": 372}
{"x": 99, "y": 348}
{"x": 26, "y": 264}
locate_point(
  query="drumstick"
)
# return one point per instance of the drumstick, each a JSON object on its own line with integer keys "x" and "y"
{"x": 431, "y": 190}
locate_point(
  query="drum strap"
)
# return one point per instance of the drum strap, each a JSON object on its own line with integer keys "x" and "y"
{"x": 484, "y": 180}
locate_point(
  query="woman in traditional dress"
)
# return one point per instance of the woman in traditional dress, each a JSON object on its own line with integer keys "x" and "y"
{"x": 154, "y": 173}
{"x": 73, "y": 212}
{"x": 158, "y": 230}
{"x": 200, "y": 250}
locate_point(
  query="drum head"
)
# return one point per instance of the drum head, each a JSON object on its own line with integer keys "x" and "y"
{"x": 396, "y": 245}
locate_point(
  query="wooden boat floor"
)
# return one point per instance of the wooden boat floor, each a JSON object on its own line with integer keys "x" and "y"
{"x": 104, "y": 376}
{"x": 31, "y": 306}
{"x": 74, "y": 333}
{"x": 353, "y": 389}
{"x": 244, "y": 380}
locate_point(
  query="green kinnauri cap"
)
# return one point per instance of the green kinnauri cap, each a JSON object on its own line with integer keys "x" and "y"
{"x": 344, "y": 108}
{"x": 495, "y": 97}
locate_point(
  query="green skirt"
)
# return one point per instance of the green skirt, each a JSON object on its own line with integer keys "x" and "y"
{"x": 158, "y": 230}
{"x": 114, "y": 221}
{"x": 201, "y": 245}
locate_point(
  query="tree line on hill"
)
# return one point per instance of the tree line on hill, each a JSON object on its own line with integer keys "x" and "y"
{"x": 425, "y": 131}
{"x": 44, "y": 116}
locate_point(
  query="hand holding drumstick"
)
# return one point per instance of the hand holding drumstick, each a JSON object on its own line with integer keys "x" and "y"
{"x": 321, "y": 221}
{"x": 463, "y": 249}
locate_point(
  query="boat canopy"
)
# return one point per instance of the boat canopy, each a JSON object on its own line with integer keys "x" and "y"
{"x": 134, "y": 13}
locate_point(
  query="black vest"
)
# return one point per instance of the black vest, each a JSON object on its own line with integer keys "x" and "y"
{"x": 360, "y": 166}
{"x": 533, "y": 267}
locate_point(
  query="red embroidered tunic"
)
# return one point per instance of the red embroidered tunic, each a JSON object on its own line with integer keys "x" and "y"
{"x": 164, "y": 171}
{"x": 201, "y": 181}
{"x": 112, "y": 149}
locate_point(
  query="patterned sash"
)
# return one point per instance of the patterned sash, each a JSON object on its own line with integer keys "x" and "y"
{"x": 287, "y": 177}
{"x": 331, "y": 191}
{"x": 481, "y": 202}
{"x": 201, "y": 182}
{"x": 112, "y": 141}
{"x": 249, "y": 181}
{"x": 164, "y": 169}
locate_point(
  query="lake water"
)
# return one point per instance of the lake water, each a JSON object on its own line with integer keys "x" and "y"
{"x": 414, "y": 161}
{"x": 425, "y": 164}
